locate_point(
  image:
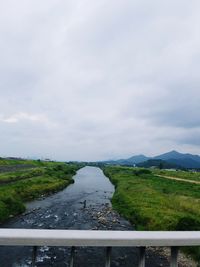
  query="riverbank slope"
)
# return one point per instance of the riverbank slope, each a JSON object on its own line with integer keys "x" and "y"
{"x": 22, "y": 181}
{"x": 150, "y": 202}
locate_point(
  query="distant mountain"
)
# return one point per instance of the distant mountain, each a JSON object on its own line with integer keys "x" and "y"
{"x": 183, "y": 160}
{"x": 137, "y": 159}
{"x": 130, "y": 161}
{"x": 162, "y": 164}
{"x": 170, "y": 155}
{"x": 186, "y": 163}
{"x": 172, "y": 159}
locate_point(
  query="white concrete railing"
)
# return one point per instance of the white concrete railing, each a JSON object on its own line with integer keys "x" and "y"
{"x": 108, "y": 239}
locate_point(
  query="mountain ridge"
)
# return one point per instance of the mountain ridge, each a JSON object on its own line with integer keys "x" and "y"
{"x": 172, "y": 158}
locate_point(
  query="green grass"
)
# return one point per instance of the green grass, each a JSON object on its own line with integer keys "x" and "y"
{"x": 20, "y": 175}
{"x": 18, "y": 187}
{"x": 180, "y": 174}
{"x": 155, "y": 203}
{"x": 4, "y": 161}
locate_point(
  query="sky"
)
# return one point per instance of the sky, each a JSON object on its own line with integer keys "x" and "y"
{"x": 93, "y": 80}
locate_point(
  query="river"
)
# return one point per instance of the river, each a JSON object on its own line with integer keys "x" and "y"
{"x": 65, "y": 210}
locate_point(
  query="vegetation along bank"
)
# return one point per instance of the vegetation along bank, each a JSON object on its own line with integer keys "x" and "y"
{"x": 22, "y": 181}
{"x": 151, "y": 202}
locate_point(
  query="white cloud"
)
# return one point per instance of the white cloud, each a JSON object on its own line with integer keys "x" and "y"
{"x": 22, "y": 116}
{"x": 90, "y": 80}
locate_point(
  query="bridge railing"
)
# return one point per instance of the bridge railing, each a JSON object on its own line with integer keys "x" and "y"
{"x": 108, "y": 239}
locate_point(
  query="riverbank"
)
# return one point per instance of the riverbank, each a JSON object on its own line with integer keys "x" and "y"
{"x": 67, "y": 210}
{"x": 25, "y": 184}
{"x": 150, "y": 202}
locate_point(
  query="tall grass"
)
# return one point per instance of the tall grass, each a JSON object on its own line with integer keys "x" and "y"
{"x": 188, "y": 175}
{"x": 25, "y": 185}
{"x": 155, "y": 203}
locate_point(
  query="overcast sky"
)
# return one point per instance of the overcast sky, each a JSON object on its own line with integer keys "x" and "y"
{"x": 94, "y": 80}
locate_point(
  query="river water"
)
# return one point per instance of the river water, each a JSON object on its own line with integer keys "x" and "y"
{"x": 65, "y": 210}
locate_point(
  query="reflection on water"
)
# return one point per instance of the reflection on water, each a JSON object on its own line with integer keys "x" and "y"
{"x": 90, "y": 184}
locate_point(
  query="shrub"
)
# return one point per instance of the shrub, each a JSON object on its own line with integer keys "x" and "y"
{"x": 189, "y": 223}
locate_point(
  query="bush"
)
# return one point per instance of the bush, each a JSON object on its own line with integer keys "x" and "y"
{"x": 141, "y": 172}
{"x": 189, "y": 223}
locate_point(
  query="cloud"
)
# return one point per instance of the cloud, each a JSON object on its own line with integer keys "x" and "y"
{"x": 93, "y": 80}
{"x": 22, "y": 116}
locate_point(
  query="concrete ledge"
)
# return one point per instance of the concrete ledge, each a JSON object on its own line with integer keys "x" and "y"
{"x": 35, "y": 237}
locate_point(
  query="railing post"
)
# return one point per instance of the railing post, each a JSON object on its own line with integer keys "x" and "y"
{"x": 108, "y": 256}
{"x": 34, "y": 255}
{"x": 174, "y": 257}
{"x": 71, "y": 264}
{"x": 142, "y": 257}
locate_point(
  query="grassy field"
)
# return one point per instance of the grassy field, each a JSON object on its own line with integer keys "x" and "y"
{"x": 12, "y": 162}
{"x": 195, "y": 176}
{"x": 155, "y": 203}
{"x": 25, "y": 184}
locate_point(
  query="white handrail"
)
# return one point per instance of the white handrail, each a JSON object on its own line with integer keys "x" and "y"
{"x": 40, "y": 237}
